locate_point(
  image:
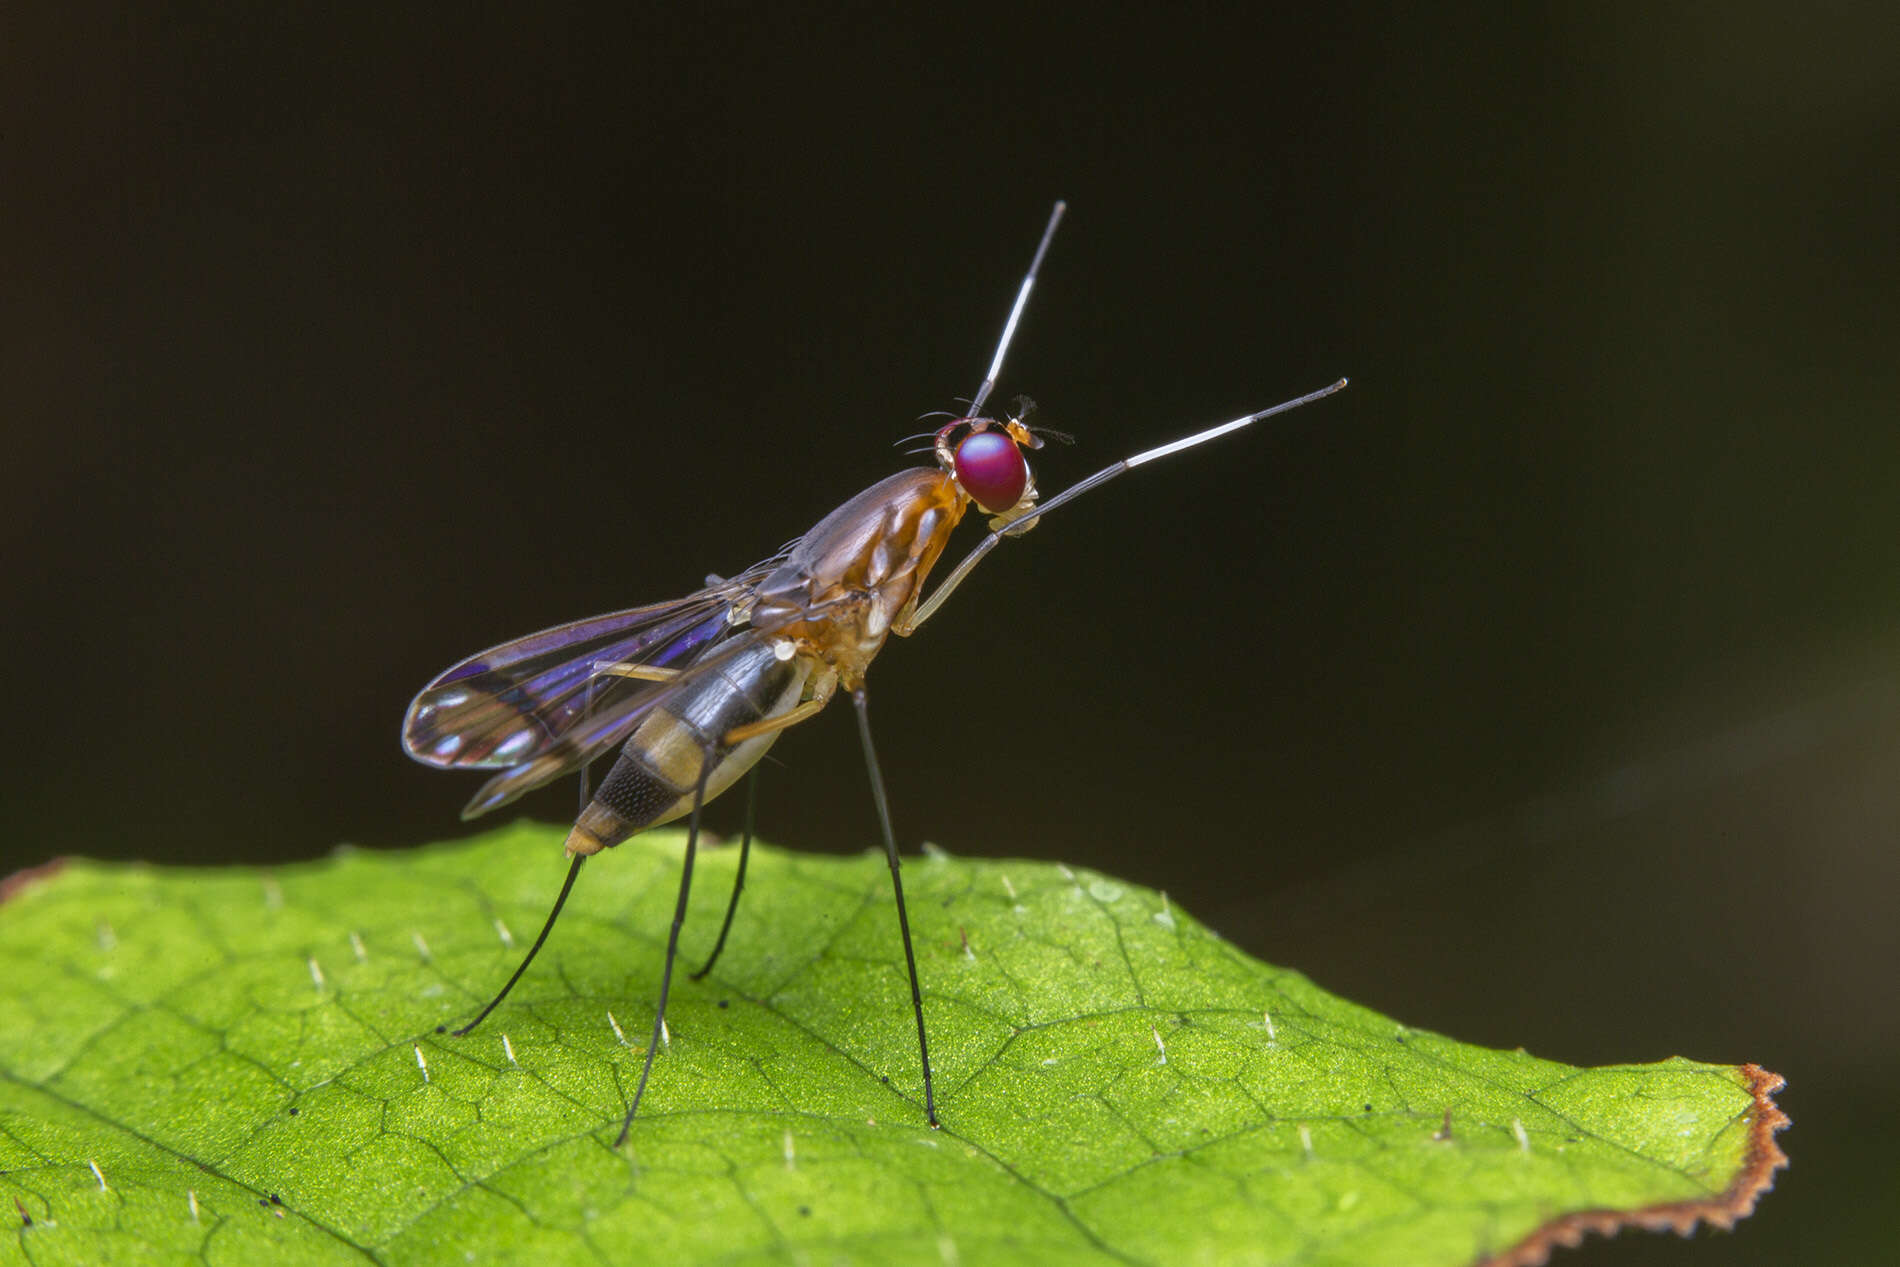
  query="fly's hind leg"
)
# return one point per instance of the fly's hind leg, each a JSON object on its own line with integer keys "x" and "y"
{"x": 567, "y": 885}
{"x": 738, "y": 882}
{"x": 672, "y": 939}
{"x": 639, "y": 672}
{"x": 737, "y": 735}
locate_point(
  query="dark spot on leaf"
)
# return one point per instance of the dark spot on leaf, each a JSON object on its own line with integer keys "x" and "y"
{"x": 441, "y": 1029}
{"x": 1368, "y": 1108}
{"x": 294, "y": 1110}
{"x": 725, "y": 1003}
{"x": 275, "y": 1199}
{"x": 261, "y": 1201}
{"x": 805, "y": 1210}
{"x": 885, "y": 1078}
{"x": 26, "y": 1220}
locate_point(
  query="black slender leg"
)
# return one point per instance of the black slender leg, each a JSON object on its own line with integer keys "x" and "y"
{"x": 567, "y": 887}
{"x": 897, "y": 887}
{"x": 672, "y": 941}
{"x": 738, "y": 883}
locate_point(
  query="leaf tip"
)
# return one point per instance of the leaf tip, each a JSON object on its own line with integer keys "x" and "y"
{"x": 1755, "y": 1177}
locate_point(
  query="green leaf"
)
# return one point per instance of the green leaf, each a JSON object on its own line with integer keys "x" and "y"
{"x": 241, "y": 1056}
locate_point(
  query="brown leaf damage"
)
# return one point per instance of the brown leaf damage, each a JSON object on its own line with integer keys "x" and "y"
{"x": 20, "y": 881}
{"x": 1756, "y": 1176}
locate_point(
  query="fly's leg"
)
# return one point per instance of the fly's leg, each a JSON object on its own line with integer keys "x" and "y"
{"x": 804, "y": 712}
{"x": 638, "y": 672}
{"x": 672, "y": 939}
{"x": 738, "y": 883}
{"x": 821, "y": 695}
{"x": 897, "y": 887}
{"x": 567, "y": 886}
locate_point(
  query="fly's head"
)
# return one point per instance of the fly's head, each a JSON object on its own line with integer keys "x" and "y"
{"x": 986, "y": 462}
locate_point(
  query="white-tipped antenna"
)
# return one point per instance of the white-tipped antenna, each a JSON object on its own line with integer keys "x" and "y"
{"x": 1202, "y": 437}
{"x": 1022, "y": 524}
{"x": 1015, "y": 313}
{"x": 1073, "y": 491}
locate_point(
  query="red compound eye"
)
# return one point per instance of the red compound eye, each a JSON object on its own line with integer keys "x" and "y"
{"x": 991, "y": 469}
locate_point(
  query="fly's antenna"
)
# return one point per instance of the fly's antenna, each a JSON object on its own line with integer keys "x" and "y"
{"x": 1028, "y": 519}
{"x": 1015, "y": 313}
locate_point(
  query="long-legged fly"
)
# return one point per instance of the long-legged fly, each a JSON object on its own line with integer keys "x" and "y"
{"x": 694, "y": 691}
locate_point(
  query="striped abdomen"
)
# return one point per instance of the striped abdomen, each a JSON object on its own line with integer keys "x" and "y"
{"x": 654, "y": 778}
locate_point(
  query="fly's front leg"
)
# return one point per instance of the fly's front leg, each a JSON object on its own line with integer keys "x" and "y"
{"x": 897, "y": 887}
{"x": 912, "y": 615}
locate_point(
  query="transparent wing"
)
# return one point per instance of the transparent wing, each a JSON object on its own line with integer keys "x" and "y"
{"x": 515, "y": 703}
{"x": 512, "y": 703}
{"x": 600, "y": 726}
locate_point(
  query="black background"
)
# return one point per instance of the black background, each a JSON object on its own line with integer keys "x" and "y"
{"x": 1538, "y": 690}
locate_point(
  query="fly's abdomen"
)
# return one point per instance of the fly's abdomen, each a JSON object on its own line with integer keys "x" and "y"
{"x": 654, "y": 778}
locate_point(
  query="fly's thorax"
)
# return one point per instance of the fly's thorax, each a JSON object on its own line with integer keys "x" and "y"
{"x": 842, "y": 587}
{"x": 657, "y": 772}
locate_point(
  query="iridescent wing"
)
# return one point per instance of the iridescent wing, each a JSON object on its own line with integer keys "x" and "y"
{"x": 540, "y": 706}
{"x": 515, "y": 702}
{"x": 602, "y": 726}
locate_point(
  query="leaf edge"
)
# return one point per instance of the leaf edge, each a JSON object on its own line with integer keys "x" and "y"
{"x": 1752, "y": 1181}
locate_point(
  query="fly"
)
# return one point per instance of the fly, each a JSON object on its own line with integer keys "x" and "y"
{"x": 694, "y": 691}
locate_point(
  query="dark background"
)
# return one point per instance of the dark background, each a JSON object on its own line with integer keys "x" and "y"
{"x": 1539, "y": 690}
